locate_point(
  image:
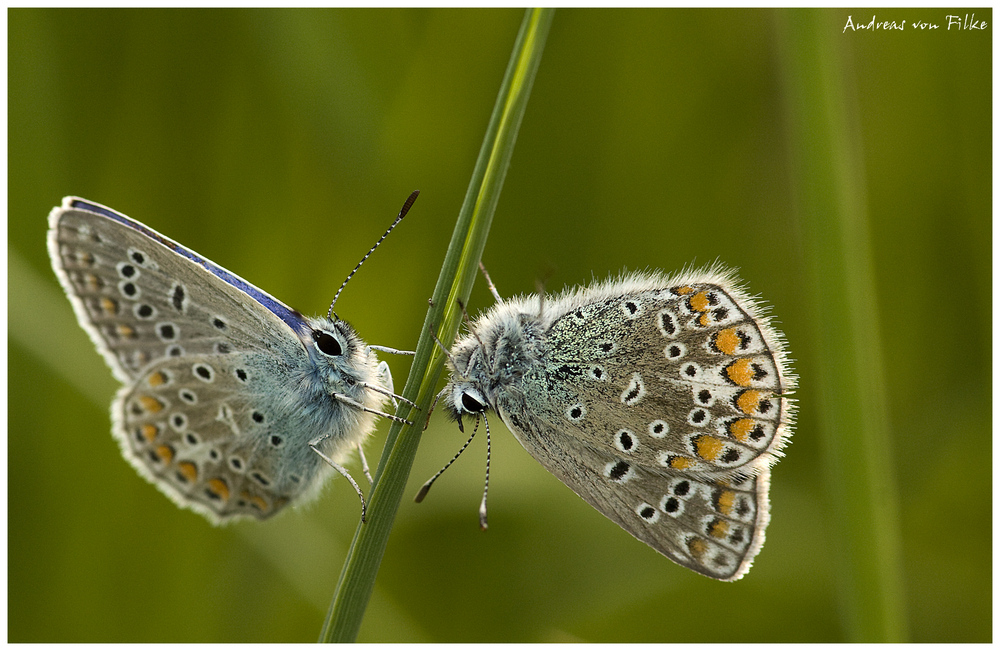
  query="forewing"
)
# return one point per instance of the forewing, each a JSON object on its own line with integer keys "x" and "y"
{"x": 143, "y": 297}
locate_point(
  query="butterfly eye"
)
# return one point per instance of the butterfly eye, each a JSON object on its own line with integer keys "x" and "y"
{"x": 327, "y": 343}
{"x": 471, "y": 404}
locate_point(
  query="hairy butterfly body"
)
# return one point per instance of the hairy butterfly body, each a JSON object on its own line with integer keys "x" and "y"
{"x": 661, "y": 401}
{"x": 226, "y": 389}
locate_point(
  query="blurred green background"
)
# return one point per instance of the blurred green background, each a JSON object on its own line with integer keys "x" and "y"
{"x": 280, "y": 144}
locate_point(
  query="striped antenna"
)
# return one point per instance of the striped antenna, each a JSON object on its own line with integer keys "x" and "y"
{"x": 402, "y": 213}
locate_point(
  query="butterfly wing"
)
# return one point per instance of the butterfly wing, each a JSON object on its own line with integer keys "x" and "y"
{"x": 207, "y": 431}
{"x": 687, "y": 377}
{"x": 139, "y": 294}
{"x": 714, "y": 526}
{"x": 203, "y": 355}
{"x": 662, "y": 403}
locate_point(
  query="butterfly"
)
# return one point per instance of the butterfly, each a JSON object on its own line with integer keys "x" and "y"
{"x": 233, "y": 403}
{"x": 662, "y": 401}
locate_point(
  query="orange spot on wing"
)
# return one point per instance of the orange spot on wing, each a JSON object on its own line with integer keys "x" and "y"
{"x": 158, "y": 378}
{"x": 699, "y": 302}
{"x": 741, "y": 372}
{"x": 167, "y": 454}
{"x": 697, "y": 547}
{"x": 741, "y": 428}
{"x": 708, "y": 447}
{"x": 149, "y": 432}
{"x": 219, "y": 487}
{"x": 681, "y": 463}
{"x": 150, "y": 404}
{"x": 719, "y": 529}
{"x": 748, "y": 401}
{"x": 188, "y": 470}
{"x": 727, "y": 341}
{"x": 725, "y": 502}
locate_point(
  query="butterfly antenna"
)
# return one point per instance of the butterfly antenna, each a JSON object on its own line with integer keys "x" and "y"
{"x": 402, "y": 213}
{"x": 419, "y": 497}
{"x": 486, "y": 486}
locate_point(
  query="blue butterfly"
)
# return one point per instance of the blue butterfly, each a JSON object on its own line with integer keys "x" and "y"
{"x": 233, "y": 403}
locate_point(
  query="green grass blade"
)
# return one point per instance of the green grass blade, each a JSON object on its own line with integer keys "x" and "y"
{"x": 458, "y": 272}
{"x": 846, "y": 364}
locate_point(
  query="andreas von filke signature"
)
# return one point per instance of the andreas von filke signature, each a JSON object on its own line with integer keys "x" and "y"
{"x": 968, "y": 22}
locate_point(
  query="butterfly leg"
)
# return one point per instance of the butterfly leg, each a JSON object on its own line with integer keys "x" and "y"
{"x": 442, "y": 346}
{"x": 489, "y": 282}
{"x": 385, "y": 386}
{"x": 393, "y": 351}
{"x": 430, "y": 411}
{"x": 364, "y": 465}
{"x": 347, "y": 400}
{"x": 385, "y": 379}
{"x": 540, "y": 287}
{"x": 343, "y": 471}
{"x": 393, "y": 396}
{"x": 468, "y": 323}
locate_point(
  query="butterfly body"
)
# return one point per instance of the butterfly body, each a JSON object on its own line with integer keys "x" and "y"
{"x": 224, "y": 386}
{"x": 659, "y": 400}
